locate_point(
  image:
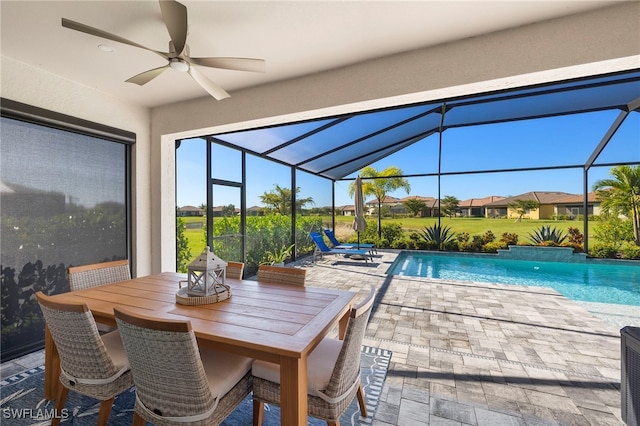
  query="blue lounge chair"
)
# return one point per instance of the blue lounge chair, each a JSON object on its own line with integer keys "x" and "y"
{"x": 322, "y": 249}
{"x": 338, "y": 245}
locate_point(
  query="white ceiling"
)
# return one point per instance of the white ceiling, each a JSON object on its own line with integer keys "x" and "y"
{"x": 295, "y": 38}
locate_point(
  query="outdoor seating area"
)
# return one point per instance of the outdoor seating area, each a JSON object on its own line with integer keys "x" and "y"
{"x": 322, "y": 249}
{"x": 205, "y": 176}
{"x": 335, "y": 244}
{"x": 475, "y": 354}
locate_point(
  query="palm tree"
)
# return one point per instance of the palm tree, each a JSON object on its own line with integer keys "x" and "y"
{"x": 388, "y": 180}
{"x": 621, "y": 195}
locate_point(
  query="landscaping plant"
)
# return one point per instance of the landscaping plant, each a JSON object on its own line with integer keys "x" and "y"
{"x": 547, "y": 236}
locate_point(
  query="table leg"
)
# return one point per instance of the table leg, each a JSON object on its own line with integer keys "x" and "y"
{"x": 51, "y": 367}
{"x": 342, "y": 325}
{"x": 293, "y": 391}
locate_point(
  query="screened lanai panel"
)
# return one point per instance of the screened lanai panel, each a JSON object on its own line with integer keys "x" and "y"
{"x": 545, "y": 104}
{"x": 262, "y": 140}
{"x": 387, "y": 142}
{"x": 542, "y": 142}
{"x": 348, "y": 167}
{"x": 348, "y": 131}
{"x": 337, "y": 146}
{"x": 624, "y": 146}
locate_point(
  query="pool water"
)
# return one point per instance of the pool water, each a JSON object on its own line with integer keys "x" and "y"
{"x": 587, "y": 282}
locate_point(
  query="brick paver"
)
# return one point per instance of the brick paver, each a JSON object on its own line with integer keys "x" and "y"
{"x": 469, "y": 353}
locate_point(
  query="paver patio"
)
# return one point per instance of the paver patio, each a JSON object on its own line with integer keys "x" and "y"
{"x": 475, "y": 354}
{"x": 478, "y": 354}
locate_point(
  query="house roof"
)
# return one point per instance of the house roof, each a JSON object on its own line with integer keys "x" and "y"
{"x": 480, "y": 202}
{"x": 189, "y": 208}
{"x": 417, "y": 197}
{"x": 577, "y": 199}
{"x": 542, "y": 197}
{"x": 387, "y": 200}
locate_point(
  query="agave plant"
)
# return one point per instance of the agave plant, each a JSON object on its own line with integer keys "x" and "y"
{"x": 437, "y": 235}
{"x": 546, "y": 234}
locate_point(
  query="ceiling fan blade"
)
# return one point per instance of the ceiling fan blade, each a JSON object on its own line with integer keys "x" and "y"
{"x": 145, "y": 77}
{"x": 67, "y": 23}
{"x": 214, "y": 90}
{"x": 175, "y": 18}
{"x": 237, "y": 64}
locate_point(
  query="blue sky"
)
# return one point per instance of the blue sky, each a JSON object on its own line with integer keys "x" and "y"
{"x": 543, "y": 142}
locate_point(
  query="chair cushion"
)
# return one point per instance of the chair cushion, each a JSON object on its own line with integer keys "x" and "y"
{"x": 319, "y": 366}
{"x": 224, "y": 370}
{"x": 115, "y": 349}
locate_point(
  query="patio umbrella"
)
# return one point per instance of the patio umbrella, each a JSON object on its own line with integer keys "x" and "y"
{"x": 359, "y": 224}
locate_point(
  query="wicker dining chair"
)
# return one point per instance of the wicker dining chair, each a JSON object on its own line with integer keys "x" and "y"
{"x": 177, "y": 383}
{"x": 87, "y": 276}
{"x": 90, "y": 364}
{"x": 234, "y": 270}
{"x": 333, "y": 369}
{"x": 281, "y": 275}
{"x": 97, "y": 274}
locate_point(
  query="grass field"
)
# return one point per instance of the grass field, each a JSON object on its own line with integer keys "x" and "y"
{"x": 195, "y": 236}
{"x": 473, "y": 226}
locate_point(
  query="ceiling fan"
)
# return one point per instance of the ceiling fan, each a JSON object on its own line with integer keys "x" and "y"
{"x": 174, "y": 15}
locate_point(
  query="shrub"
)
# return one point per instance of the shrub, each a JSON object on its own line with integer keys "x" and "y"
{"x": 465, "y": 246}
{"x": 630, "y": 251}
{"x": 603, "y": 251}
{"x": 509, "y": 238}
{"x": 488, "y": 237}
{"x": 494, "y": 246}
{"x": 437, "y": 235}
{"x": 463, "y": 237}
{"x": 390, "y": 233}
{"x": 451, "y": 245}
{"x": 547, "y": 236}
{"x": 576, "y": 247}
{"x": 613, "y": 231}
{"x": 183, "y": 252}
{"x": 477, "y": 243}
{"x": 403, "y": 244}
{"x": 575, "y": 236}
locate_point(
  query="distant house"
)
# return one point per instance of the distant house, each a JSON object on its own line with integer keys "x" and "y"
{"x": 190, "y": 211}
{"x": 394, "y": 204}
{"x": 573, "y": 205}
{"x": 477, "y": 207}
{"x": 222, "y": 211}
{"x": 430, "y": 203}
{"x": 546, "y": 199}
{"x": 346, "y": 210}
{"x": 19, "y": 200}
{"x": 255, "y": 211}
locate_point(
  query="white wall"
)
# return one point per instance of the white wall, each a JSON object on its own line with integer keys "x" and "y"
{"x": 23, "y": 83}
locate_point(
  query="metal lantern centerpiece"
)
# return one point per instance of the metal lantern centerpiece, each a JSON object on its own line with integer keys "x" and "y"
{"x": 205, "y": 281}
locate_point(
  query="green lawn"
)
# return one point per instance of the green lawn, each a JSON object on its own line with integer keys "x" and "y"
{"x": 473, "y": 226}
{"x": 195, "y": 236}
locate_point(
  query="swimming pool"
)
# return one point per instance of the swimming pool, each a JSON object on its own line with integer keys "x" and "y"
{"x": 588, "y": 282}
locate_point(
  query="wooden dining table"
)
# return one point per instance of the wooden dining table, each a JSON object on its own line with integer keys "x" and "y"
{"x": 278, "y": 323}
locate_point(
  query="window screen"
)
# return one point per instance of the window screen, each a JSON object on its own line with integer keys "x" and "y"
{"x": 63, "y": 202}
